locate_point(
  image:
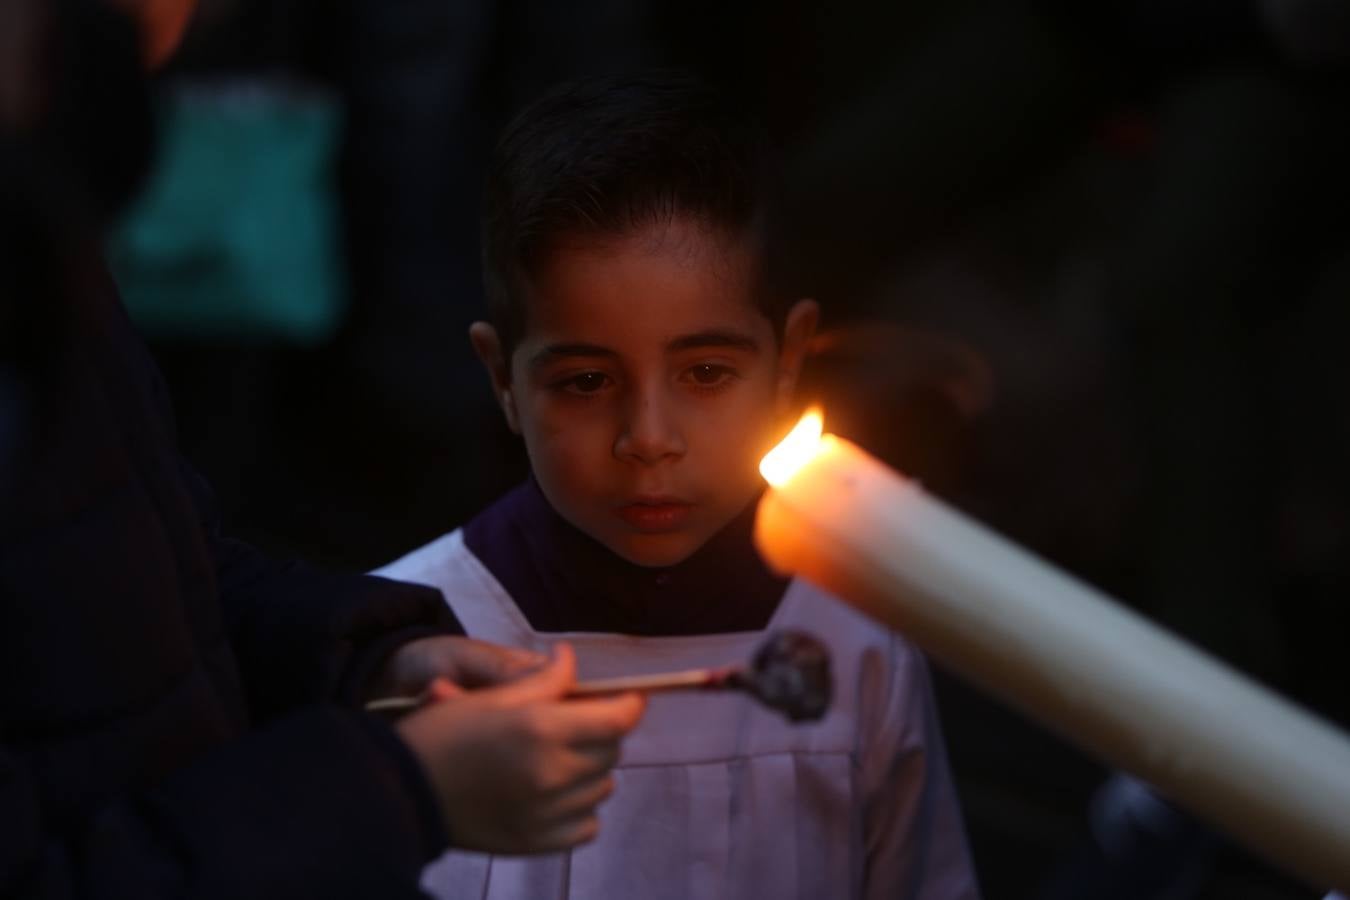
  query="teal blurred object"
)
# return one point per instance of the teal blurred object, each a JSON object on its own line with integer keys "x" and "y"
{"x": 236, "y": 234}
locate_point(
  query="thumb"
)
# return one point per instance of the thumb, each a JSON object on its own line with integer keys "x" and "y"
{"x": 441, "y": 689}
{"x": 551, "y": 682}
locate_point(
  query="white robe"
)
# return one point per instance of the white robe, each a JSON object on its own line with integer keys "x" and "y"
{"x": 718, "y": 797}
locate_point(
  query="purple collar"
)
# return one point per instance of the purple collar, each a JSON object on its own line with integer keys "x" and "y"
{"x": 564, "y": 580}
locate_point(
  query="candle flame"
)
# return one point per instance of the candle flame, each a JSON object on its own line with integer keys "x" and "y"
{"x": 793, "y": 451}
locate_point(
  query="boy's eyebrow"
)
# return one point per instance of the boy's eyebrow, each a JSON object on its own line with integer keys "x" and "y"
{"x": 555, "y": 351}
{"x": 717, "y": 337}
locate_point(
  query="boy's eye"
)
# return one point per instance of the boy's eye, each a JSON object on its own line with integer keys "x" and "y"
{"x": 586, "y": 382}
{"x": 710, "y": 374}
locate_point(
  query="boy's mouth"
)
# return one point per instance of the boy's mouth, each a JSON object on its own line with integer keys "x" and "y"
{"x": 654, "y": 515}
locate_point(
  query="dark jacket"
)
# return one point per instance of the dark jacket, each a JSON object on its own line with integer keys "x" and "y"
{"x": 172, "y": 703}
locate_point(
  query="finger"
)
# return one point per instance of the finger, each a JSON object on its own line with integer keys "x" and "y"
{"x": 550, "y": 682}
{"x": 481, "y": 664}
{"x": 564, "y": 835}
{"x": 600, "y": 756}
{"x": 566, "y": 768}
{"x": 579, "y": 799}
{"x": 578, "y": 722}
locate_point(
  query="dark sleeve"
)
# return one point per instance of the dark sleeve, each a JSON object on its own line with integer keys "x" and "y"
{"x": 326, "y": 803}
{"x": 302, "y": 635}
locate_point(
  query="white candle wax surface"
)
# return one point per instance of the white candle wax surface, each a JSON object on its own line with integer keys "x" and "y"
{"x": 1216, "y": 742}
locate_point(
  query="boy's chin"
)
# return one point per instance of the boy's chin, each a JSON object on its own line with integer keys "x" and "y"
{"x": 656, "y": 551}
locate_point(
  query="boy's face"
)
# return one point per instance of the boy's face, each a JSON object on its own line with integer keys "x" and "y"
{"x": 647, "y": 386}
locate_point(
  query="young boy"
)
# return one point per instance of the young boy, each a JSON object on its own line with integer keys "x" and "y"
{"x": 633, "y": 348}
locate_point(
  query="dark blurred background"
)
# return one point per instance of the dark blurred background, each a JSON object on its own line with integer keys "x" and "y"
{"x": 1085, "y": 274}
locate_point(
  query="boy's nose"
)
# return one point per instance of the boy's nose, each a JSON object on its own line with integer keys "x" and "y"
{"x": 650, "y": 434}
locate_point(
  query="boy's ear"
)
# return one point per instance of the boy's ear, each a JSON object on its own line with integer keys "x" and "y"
{"x": 798, "y": 330}
{"x": 488, "y": 346}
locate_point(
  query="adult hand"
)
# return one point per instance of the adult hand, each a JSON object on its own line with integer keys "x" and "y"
{"x": 517, "y": 768}
{"x": 452, "y": 663}
{"x": 162, "y": 25}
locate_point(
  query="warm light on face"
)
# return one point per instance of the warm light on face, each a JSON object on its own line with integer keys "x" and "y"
{"x": 793, "y": 451}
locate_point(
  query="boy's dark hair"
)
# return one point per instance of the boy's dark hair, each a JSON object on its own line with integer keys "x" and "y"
{"x": 604, "y": 156}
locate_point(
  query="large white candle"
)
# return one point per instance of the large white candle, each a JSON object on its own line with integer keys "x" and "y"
{"x": 1213, "y": 740}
